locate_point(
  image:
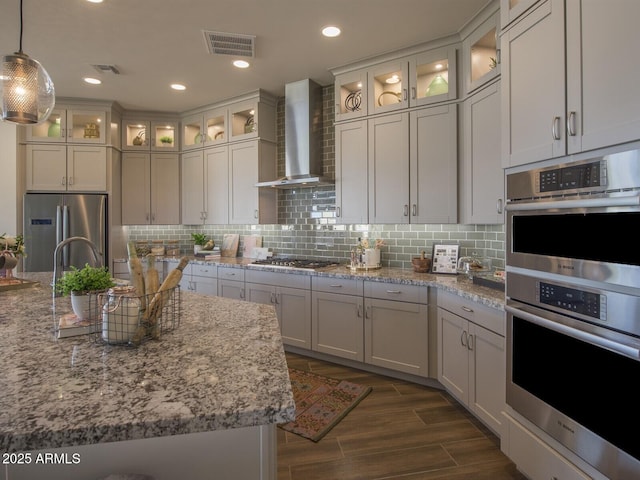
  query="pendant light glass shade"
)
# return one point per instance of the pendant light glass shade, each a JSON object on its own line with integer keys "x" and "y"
{"x": 27, "y": 94}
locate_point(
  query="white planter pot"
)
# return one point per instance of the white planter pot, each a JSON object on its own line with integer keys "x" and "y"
{"x": 371, "y": 257}
{"x": 196, "y": 249}
{"x": 80, "y": 305}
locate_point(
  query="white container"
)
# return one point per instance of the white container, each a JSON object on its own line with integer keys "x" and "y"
{"x": 120, "y": 315}
{"x": 371, "y": 257}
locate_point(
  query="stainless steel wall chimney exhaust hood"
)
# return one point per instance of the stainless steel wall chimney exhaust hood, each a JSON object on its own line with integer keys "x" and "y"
{"x": 303, "y": 137}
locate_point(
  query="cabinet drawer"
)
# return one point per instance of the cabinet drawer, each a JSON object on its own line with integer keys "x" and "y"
{"x": 204, "y": 271}
{"x": 230, "y": 273}
{"x": 291, "y": 280}
{"x": 487, "y": 317}
{"x": 344, "y": 286}
{"x": 396, "y": 291}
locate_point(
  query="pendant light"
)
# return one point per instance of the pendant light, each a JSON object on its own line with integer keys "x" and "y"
{"x": 26, "y": 88}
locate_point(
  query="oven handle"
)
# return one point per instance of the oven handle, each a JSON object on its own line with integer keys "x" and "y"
{"x": 629, "y": 201}
{"x": 590, "y": 338}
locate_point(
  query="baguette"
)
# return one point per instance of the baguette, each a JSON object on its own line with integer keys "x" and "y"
{"x": 151, "y": 277}
{"x": 135, "y": 272}
{"x": 159, "y": 300}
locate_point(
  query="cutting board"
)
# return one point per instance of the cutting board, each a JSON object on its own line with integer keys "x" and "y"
{"x": 230, "y": 243}
{"x": 249, "y": 243}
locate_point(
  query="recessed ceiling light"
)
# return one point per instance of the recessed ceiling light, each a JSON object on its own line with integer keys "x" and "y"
{"x": 331, "y": 31}
{"x": 393, "y": 79}
{"x": 241, "y": 63}
{"x": 94, "y": 1}
{"x": 178, "y": 86}
{"x": 92, "y": 81}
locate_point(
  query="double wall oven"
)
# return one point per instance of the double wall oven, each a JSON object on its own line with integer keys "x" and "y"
{"x": 573, "y": 306}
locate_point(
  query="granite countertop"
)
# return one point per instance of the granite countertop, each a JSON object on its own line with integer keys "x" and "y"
{"x": 459, "y": 285}
{"x": 223, "y": 367}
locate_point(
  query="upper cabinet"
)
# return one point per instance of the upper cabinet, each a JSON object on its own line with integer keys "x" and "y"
{"x": 481, "y": 54}
{"x": 143, "y": 133}
{"x": 351, "y": 95}
{"x": 586, "y": 108}
{"x": 71, "y": 125}
{"x": 252, "y": 116}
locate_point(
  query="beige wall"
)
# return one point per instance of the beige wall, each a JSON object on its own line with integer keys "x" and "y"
{"x": 9, "y": 180}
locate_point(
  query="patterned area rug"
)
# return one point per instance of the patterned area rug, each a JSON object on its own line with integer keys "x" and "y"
{"x": 321, "y": 403}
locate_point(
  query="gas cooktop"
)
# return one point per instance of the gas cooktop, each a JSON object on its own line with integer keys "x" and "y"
{"x": 294, "y": 263}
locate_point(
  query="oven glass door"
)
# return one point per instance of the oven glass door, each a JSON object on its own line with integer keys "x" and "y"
{"x": 550, "y": 371}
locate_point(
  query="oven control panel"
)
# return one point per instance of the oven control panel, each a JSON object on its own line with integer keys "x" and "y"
{"x": 590, "y": 304}
{"x": 572, "y": 177}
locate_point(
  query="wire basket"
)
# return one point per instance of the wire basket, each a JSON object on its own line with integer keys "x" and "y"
{"x": 121, "y": 317}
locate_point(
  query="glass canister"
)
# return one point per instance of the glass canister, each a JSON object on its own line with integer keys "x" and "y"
{"x": 120, "y": 315}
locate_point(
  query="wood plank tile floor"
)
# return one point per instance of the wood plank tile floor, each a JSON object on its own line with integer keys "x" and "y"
{"x": 401, "y": 430}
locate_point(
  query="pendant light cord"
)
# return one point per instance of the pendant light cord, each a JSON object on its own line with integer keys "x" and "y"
{"x": 20, "y": 49}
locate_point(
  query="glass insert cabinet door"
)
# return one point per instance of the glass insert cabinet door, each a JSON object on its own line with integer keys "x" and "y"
{"x": 77, "y": 126}
{"x": 388, "y": 87}
{"x": 351, "y": 95}
{"x": 149, "y": 135}
{"x": 432, "y": 76}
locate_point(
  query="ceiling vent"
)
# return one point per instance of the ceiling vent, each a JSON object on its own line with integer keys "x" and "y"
{"x": 107, "y": 69}
{"x": 235, "y": 44}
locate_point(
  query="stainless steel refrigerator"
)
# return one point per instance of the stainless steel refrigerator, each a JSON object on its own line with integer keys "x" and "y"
{"x": 50, "y": 218}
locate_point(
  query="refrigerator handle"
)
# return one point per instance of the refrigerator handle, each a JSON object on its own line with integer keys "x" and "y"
{"x": 65, "y": 235}
{"x": 58, "y": 224}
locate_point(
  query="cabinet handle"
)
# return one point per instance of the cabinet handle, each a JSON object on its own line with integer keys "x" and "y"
{"x": 404, "y": 94}
{"x": 413, "y": 93}
{"x": 406, "y": 210}
{"x": 367, "y": 312}
{"x": 414, "y": 209}
{"x": 359, "y": 311}
{"x": 470, "y": 343}
{"x": 555, "y": 128}
{"x": 255, "y": 213}
{"x": 277, "y": 299}
{"x": 146, "y": 217}
{"x": 63, "y": 181}
{"x": 242, "y": 293}
{"x": 396, "y": 292}
{"x": 464, "y": 338}
{"x": 467, "y": 309}
{"x": 499, "y": 206}
{"x": 571, "y": 124}
{"x": 70, "y": 181}
{"x": 498, "y": 56}
{"x": 273, "y": 297}
{"x": 335, "y": 285}
{"x": 338, "y": 212}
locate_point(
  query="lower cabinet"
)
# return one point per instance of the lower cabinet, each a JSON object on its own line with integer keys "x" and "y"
{"x": 396, "y": 326}
{"x": 291, "y": 297}
{"x": 231, "y": 283}
{"x": 201, "y": 279}
{"x": 337, "y": 317}
{"x": 471, "y": 364}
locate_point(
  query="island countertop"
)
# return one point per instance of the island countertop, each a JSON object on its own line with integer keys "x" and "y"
{"x": 222, "y": 368}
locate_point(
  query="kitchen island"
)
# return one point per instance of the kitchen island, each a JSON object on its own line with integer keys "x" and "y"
{"x": 202, "y": 402}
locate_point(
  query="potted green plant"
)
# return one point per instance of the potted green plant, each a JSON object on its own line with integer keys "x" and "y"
{"x": 166, "y": 140}
{"x": 78, "y": 283}
{"x": 199, "y": 241}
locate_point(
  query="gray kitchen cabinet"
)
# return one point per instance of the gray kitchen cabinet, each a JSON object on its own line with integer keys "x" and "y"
{"x": 199, "y": 278}
{"x": 350, "y": 93}
{"x": 231, "y": 283}
{"x": 251, "y": 162}
{"x": 205, "y": 186}
{"x": 337, "y": 317}
{"x": 351, "y": 172}
{"x": 471, "y": 363}
{"x": 396, "y": 327}
{"x": 481, "y": 49}
{"x": 533, "y": 82}
{"x": 481, "y": 175}
{"x": 150, "y": 188}
{"x": 73, "y": 124}
{"x": 559, "y": 53}
{"x": 290, "y": 294}
{"x": 149, "y": 133}
{"x": 433, "y": 158}
{"x": 511, "y": 10}
{"x": 388, "y": 168}
{"x": 71, "y": 168}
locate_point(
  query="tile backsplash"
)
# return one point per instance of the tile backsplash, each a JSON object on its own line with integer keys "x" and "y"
{"x": 307, "y": 224}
